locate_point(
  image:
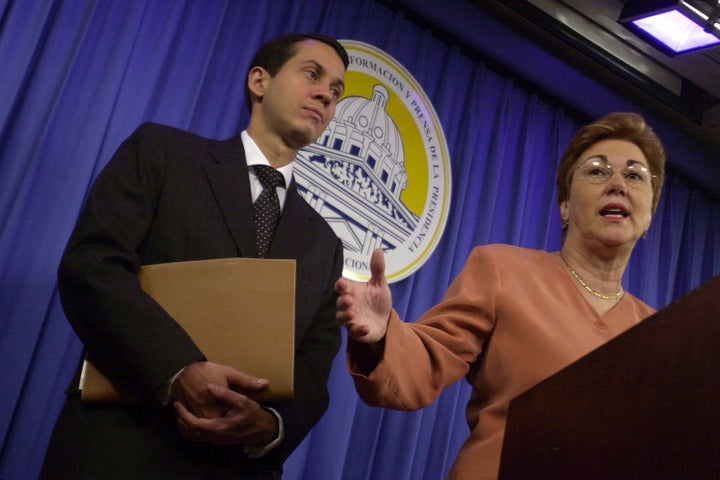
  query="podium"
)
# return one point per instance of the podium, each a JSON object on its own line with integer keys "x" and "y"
{"x": 645, "y": 405}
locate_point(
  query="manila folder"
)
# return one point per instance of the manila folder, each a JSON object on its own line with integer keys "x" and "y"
{"x": 239, "y": 311}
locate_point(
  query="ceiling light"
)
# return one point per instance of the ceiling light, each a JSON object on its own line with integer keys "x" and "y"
{"x": 674, "y": 26}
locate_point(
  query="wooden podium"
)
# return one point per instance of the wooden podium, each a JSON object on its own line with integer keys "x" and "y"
{"x": 645, "y": 405}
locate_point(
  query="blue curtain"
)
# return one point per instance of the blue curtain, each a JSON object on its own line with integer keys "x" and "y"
{"x": 77, "y": 77}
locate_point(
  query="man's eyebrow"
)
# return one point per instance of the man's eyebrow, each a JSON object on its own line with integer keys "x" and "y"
{"x": 322, "y": 70}
{"x": 318, "y": 66}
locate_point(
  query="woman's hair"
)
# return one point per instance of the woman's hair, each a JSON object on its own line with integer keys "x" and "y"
{"x": 626, "y": 126}
{"x": 274, "y": 54}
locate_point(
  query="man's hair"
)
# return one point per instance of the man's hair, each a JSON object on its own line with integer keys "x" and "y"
{"x": 274, "y": 54}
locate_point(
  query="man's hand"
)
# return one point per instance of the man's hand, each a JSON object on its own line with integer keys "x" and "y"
{"x": 192, "y": 388}
{"x": 364, "y": 308}
{"x": 245, "y": 422}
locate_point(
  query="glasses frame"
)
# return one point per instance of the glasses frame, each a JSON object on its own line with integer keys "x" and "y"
{"x": 604, "y": 166}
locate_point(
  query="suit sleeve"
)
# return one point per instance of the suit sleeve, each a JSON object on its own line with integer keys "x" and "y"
{"x": 130, "y": 337}
{"x": 313, "y": 361}
{"x": 421, "y": 359}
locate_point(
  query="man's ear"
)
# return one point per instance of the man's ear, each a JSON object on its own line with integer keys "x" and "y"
{"x": 257, "y": 81}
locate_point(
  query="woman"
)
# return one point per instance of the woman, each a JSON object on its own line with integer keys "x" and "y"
{"x": 515, "y": 316}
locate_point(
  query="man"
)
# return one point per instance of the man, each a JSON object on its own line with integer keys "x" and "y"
{"x": 168, "y": 195}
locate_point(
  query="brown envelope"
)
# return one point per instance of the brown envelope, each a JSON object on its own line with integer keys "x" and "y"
{"x": 239, "y": 311}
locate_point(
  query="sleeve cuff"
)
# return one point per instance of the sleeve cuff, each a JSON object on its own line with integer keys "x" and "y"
{"x": 163, "y": 393}
{"x": 257, "y": 451}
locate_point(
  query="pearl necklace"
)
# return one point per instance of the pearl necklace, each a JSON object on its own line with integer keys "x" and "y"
{"x": 587, "y": 287}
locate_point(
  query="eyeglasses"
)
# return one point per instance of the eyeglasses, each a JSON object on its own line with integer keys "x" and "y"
{"x": 598, "y": 172}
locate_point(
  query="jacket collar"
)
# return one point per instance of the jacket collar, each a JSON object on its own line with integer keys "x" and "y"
{"x": 229, "y": 180}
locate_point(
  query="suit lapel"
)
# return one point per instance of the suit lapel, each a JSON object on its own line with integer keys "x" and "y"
{"x": 230, "y": 183}
{"x": 294, "y": 227}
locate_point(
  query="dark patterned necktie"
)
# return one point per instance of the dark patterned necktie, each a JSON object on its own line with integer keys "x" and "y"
{"x": 267, "y": 206}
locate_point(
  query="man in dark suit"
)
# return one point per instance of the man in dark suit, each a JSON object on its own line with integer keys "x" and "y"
{"x": 169, "y": 195}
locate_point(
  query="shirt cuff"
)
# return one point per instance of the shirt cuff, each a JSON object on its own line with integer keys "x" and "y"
{"x": 257, "y": 451}
{"x": 163, "y": 393}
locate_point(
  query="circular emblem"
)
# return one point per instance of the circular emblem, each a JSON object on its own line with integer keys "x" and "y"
{"x": 380, "y": 173}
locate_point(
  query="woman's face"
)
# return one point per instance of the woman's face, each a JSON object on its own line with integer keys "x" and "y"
{"x": 610, "y": 200}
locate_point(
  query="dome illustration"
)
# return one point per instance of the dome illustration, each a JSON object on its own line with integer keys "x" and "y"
{"x": 354, "y": 175}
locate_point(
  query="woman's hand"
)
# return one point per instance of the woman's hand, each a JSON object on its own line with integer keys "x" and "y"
{"x": 364, "y": 308}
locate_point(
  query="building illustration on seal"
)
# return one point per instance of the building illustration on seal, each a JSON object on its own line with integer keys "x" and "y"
{"x": 380, "y": 172}
{"x": 354, "y": 175}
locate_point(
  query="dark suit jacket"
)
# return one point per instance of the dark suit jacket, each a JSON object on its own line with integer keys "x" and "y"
{"x": 169, "y": 195}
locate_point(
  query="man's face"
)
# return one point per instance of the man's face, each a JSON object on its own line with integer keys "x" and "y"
{"x": 299, "y": 101}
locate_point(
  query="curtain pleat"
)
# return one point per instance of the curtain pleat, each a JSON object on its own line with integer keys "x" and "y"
{"x": 79, "y": 77}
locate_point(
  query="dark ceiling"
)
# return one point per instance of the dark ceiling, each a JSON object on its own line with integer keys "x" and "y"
{"x": 684, "y": 89}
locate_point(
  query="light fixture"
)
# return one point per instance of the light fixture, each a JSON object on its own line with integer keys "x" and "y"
{"x": 674, "y": 26}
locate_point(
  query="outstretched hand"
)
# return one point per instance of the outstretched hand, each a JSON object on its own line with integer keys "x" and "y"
{"x": 364, "y": 308}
